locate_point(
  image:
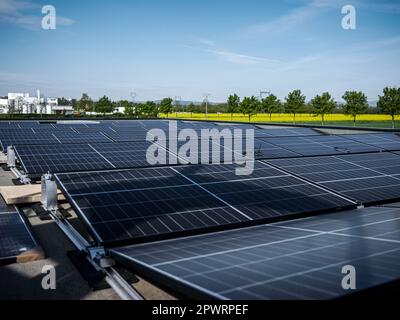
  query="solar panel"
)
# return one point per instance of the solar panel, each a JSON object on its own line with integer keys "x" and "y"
{"x": 265, "y": 150}
{"x": 126, "y": 154}
{"x": 93, "y": 128}
{"x": 360, "y": 177}
{"x": 30, "y": 124}
{"x": 159, "y": 202}
{"x": 40, "y": 159}
{"x": 134, "y": 204}
{"x": 267, "y": 193}
{"x": 300, "y": 259}
{"x": 285, "y": 132}
{"x": 51, "y": 130}
{"x": 202, "y": 151}
{"x": 19, "y": 138}
{"x": 383, "y": 141}
{"x": 15, "y": 237}
{"x": 73, "y": 137}
{"x": 4, "y": 207}
{"x": 9, "y": 124}
{"x": 320, "y": 145}
{"x": 127, "y": 136}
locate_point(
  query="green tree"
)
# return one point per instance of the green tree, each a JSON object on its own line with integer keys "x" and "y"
{"x": 356, "y": 103}
{"x": 271, "y": 104}
{"x": 166, "y": 106}
{"x": 128, "y": 107}
{"x": 191, "y": 108}
{"x": 129, "y": 111}
{"x": 139, "y": 109}
{"x": 150, "y": 109}
{"x": 104, "y": 105}
{"x": 294, "y": 102}
{"x": 249, "y": 106}
{"x": 233, "y": 104}
{"x": 389, "y": 103}
{"x": 322, "y": 105}
{"x": 85, "y": 103}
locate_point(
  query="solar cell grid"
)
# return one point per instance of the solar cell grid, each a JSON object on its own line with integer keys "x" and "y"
{"x": 320, "y": 145}
{"x": 60, "y": 158}
{"x": 299, "y": 259}
{"x": 26, "y": 139}
{"x": 145, "y": 196}
{"x": 127, "y": 207}
{"x": 385, "y": 163}
{"x": 29, "y": 124}
{"x": 127, "y": 154}
{"x": 364, "y": 178}
{"x": 383, "y": 141}
{"x": 74, "y": 137}
{"x": 15, "y": 237}
{"x": 287, "y": 132}
{"x": 127, "y": 136}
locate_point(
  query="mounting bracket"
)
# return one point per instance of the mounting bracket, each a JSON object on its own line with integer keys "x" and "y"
{"x": 49, "y": 193}
{"x": 98, "y": 254}
{"x": 11, "y": 159}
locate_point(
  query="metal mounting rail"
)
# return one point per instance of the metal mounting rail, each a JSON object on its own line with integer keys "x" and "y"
{"x": 124, "y": 290}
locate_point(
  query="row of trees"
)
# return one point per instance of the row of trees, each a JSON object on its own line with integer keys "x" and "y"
{"x": 356, "y": 103}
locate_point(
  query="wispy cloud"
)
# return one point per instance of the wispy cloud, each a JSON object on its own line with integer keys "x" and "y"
{"x": 356, "y": 53}
{"x": 207, "y": 42}
{"x": 293, "y": 18}
{"x": 20, "y": 13}
{"x": 241, "y": 58}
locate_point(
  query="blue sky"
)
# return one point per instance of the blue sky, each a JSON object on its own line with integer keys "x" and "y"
{"x": 188, "y": 48}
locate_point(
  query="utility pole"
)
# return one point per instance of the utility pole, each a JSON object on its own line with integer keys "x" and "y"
{"x": 133, "y": 97}
{"x": 262, "y": 93}
{"x": 177, "y": 98}
{"x": 206, "y": 97}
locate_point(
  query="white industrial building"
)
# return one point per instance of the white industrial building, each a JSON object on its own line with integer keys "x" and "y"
{"x": 23, "y": 103}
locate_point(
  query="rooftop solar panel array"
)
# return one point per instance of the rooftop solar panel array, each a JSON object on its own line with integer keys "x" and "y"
{"x": 103, "y": 171}
{"x": 300, "y": 259}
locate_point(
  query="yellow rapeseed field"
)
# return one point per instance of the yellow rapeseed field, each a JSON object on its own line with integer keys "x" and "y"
{"x": 279, "y": 117}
